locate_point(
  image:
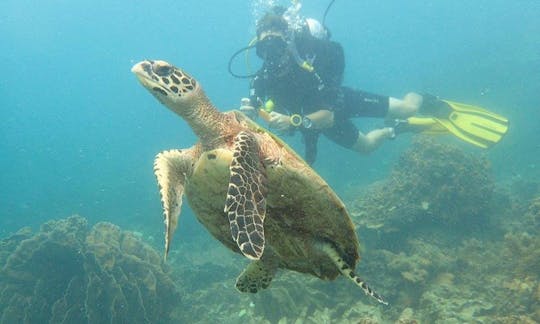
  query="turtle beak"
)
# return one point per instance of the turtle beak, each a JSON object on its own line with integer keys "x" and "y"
{"x": 143, "y": 70}
{"x": 140, "y": 67}
{"x": 150, "y": 75}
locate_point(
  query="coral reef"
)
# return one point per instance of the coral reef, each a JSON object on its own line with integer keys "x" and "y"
{"x": 523, "y": 249}
{"x": 436, "y": 255}
{"x": 412, "y": 270}
{"x": 423, "y": 249}
{"x": 68, "y": 273}
{"x": 432, "y": 183}
{"x": 532, "y": 216}
{"x": 292, "y": 297}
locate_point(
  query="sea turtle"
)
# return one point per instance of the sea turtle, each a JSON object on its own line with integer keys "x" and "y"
{"x": 249, "y": 189}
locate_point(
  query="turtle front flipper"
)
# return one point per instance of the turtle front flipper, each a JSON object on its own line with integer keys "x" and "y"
{"x": 246, "y": 203}
{"x": 171, "y": 169}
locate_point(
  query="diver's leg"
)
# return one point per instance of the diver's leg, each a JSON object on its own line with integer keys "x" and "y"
{"x": 367, "y": 143}
{"x": 358, "y": 103}
{"x": 406, "y": 107}
{"x": 346, "y": 134}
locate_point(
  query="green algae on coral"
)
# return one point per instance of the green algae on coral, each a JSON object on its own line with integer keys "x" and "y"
{"x": 70, "y": 273}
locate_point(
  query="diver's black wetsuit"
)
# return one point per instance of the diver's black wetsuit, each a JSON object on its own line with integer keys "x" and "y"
{"x": 297, "y": 91}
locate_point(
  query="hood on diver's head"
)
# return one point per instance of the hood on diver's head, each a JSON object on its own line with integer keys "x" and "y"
{"x": 272, "y": 34}
{"x": 272, "y": 41}
{"x": 272, "y": 21}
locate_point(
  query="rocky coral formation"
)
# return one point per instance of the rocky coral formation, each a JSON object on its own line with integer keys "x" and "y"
{"x": 434, "y": 253}
{"x": 69, "y": 273}
{"x": 432, "y": 263}
{"x": 432, "y": 183}
{"x": 532, "y": 216}
{"x": 292, "y": 297}
{"x": 437, "y": 256}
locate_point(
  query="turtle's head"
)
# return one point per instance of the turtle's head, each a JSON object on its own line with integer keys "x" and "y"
{"x": 170, "y": 85}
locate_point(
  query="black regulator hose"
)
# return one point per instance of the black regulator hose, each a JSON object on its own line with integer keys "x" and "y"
{"x": 326, "y": 13}
{"x": 247, "y": 76}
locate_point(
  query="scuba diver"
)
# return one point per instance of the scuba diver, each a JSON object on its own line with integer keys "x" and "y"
{"x": 298, "y": 88}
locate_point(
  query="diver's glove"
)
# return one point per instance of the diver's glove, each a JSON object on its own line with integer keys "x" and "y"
{"x": 247, "y": 108}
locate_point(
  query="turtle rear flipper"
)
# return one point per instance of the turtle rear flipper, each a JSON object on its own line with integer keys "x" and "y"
{"x": 348, "y": 272}
{"x": 171, "y": 168}
{"x": 246, "y": 203}
{"x": 257, "y": 276}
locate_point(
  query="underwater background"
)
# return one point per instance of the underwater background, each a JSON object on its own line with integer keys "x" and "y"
{"x": 79, "y": 136}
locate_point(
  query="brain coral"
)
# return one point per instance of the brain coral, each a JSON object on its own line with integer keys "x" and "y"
{"x": 69, "y": 273}
{"x": 431, "y": 183}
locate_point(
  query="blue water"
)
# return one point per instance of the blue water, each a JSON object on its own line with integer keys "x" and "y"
{"x": 79, "y": 134}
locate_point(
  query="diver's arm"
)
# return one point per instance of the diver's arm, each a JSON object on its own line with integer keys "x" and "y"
{"x": 321, "y": 119}
{"x": 406, "y": 107}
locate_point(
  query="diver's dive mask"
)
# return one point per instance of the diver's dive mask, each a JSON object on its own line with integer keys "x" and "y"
{"x": 271, "y": 46}
{"x": 273, "y": 49}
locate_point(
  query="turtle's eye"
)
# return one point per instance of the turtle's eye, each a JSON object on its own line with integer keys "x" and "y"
{"x": 163, "y": 69}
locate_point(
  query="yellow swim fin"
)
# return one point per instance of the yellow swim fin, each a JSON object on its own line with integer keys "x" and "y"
{"x": 469, "y": 123}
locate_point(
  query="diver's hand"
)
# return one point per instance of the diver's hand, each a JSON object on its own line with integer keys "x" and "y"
{"x": 249, "y": 111}
{"x": 247, "y": 108}
{"x": 279, "y": 122}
